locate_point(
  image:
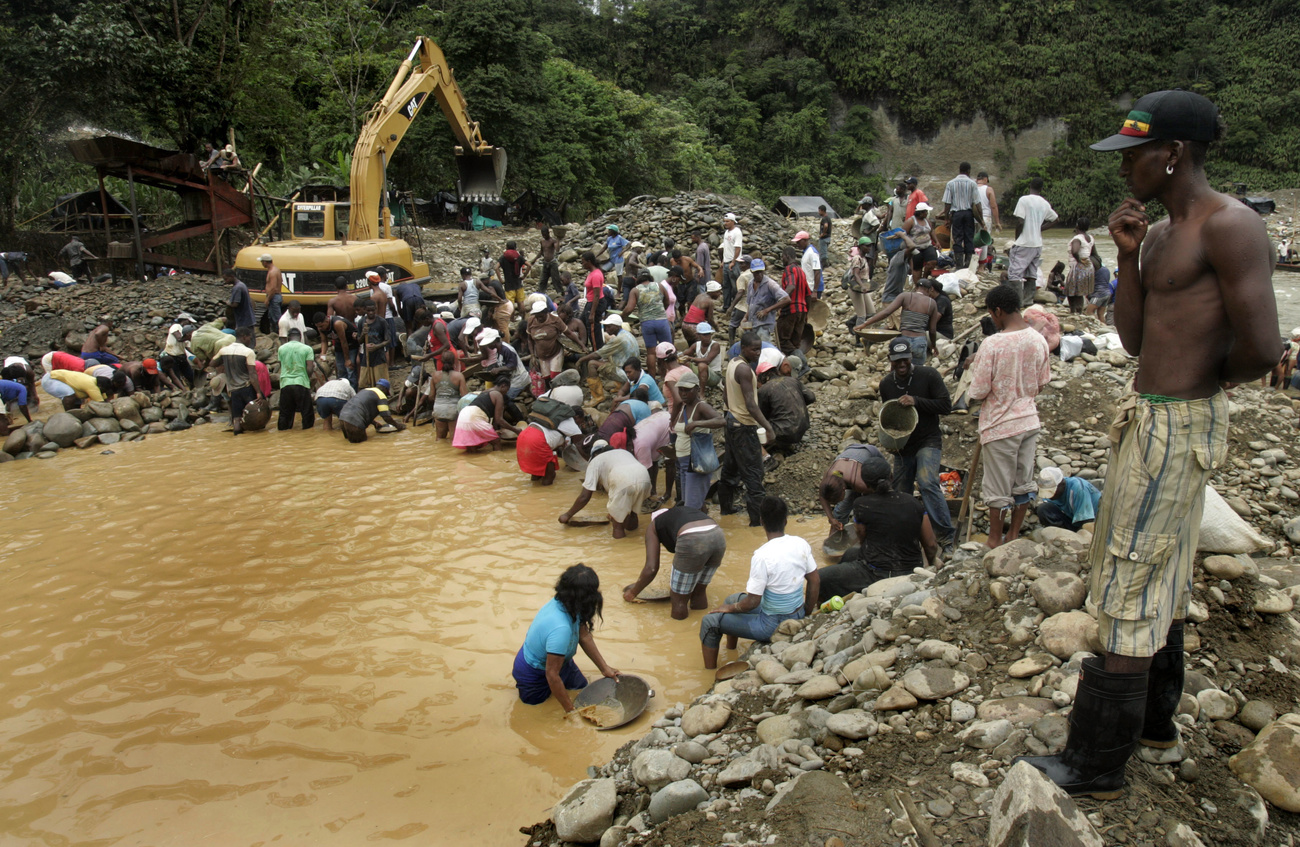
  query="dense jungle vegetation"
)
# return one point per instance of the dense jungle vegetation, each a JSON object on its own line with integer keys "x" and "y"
{"x": 600, "y": 102}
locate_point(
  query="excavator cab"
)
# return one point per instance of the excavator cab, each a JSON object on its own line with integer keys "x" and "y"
{"x": 322, "y": 221}
{"x": 481, "y": 175}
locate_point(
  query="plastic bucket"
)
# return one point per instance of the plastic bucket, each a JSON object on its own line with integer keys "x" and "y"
{"x": 895, "y": 425}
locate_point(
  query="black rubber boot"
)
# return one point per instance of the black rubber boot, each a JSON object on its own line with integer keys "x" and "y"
{"x": 1164, "y": 691}
{"x": 1104, "y": 728}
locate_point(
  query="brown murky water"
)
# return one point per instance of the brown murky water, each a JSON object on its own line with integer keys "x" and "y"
{"x": 284, "y": 638}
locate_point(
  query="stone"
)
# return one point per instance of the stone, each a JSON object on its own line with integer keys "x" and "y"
{"x": 586, "y": 811}
{"x": 1029, "y": 810}
{"x": 99, "y": 408}
{"x": 1256, "y": 714}
{"x": 740, "y": 772}
{"x": 1216, "y": 705}
{"x": 1270, "y": 601}
{"x": 63, "y": 429}
{"x": 1271, "y": 765}
{"x": 676, "y": 798}
{"x": 1068, "y": 542}
{"x": 1059, "y": 592}
{"x": 1031, "y": 665}
{"x": 934, "y": 683}
{"x": 1007, "y": 559}
{"x": 819, "y": 688}
{"x": 705, "y": 718}
{"x": 770, "y": 670}
{"x": 852, "y": 724}
{"x": 656, "y": 768}
{"x": 826, "y": 805}
{"x": 16, "y": 442}
{"x": 1223, "y": 567}
{"x": 874, "y": 677}
{"x": 778, "y": 729}
{"x": 985, "y": 735}
{"x": 961, "y": 712}
{"x": 1053, "y": 730}
{"x": 801, "y": 653}
{"x": 879, "y": 658}
{"x": 102, "y": 425}
{"x": 691, "y": 751}
{"x": 897, "y": 698}
{"x": 933, "y": 648}
{"x": 1018, "y": 710}
{"x": 1068, "y": 633}
{"x": 110, "y": 437}
{"x": 1183, "y": 836}
{"x": 969, "y": 774}
{"x": 126, "y": 409}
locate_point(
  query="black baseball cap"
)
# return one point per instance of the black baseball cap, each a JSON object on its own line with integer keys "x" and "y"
{"x": 899, "y": 349}
{"x": 1175, "y": 115}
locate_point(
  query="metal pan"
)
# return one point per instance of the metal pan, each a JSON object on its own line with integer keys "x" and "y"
{"x": 614, "y": 703}
{"x": 837, "y": 544}
{"x": 730, "y": 670}
{"x": 873, "y": 335}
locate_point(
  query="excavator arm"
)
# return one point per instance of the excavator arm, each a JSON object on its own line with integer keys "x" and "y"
{"x": 482, "y": 167}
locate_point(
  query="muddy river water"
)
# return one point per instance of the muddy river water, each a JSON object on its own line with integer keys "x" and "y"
{"x": 285, "y": 638}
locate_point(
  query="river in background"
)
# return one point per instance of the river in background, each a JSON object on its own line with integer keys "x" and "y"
{"x": 283, "y": 637}
{"x": 1286, "y": 284}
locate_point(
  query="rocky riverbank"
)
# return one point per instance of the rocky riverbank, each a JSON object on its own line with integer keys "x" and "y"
{"x": 895, "y": 720}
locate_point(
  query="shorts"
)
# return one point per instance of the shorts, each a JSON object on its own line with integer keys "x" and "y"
{"x": 1149, "y": 517}
{"x": 1024, "y": 263}
{"x": 697, "y": 559}
{"x": 549, "y": 367}
{"x": 329, "y": 407}
{"x": 239, "y": 398}
{"x": 1099, "y": 300}
{"x": 353, "y": 433}
{"x": 516, "y": 295}
{"x": 654, "y": 332}
{"x": 923, "y": 255}
{"x": 1009, "y": 470}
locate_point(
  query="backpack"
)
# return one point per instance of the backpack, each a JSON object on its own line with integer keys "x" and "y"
{"x": 549, "y": 412}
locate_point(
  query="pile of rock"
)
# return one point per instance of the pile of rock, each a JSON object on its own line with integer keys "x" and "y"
{"x": 908, "y": 706}
{"x": 32, "y": 316}
{"x": 99, "y": 422}
{"x": 652, "y": 219}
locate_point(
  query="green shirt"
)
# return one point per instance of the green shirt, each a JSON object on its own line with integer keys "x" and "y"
{"x": 294, "y": 356}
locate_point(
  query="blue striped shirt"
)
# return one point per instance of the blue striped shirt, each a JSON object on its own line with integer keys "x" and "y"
{"x": 961, "y": 193}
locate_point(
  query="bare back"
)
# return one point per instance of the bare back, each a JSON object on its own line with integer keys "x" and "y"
{"x": 96, "y": 340}
{"x": 344, "y": 304}
{"x": 273, "y": 281}
{"x": 1207, "y": 288}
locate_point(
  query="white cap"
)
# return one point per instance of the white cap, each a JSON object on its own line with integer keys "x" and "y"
{"x": 637, "y": 245}
{"x": 712, "y": 285}
{"x": 471, "y": 324}
{"x": 1049, "y": 479}
{"x": 655, "y": 406}
{"x": 613, "y": 320}
{"x": 265, "y": 257}
{"x": 923, "y": 207}
{"x": 1295, "y": 332}
{"x": 664, "y": 349}
{"x": 730, "y": 216}
{"x": 704, "y": 328}
{"x": 488, "y": 335}
{"x": 768, "y": 359}
{"x": 539, "y": 306}
{"x": 447, "y": 314}
{"x": 373, "y": 275}
{"x": 597, "y": 446}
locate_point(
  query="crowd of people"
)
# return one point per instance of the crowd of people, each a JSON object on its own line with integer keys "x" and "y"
{"x": 1192, "y": 296}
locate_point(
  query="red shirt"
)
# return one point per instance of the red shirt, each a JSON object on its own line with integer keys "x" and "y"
{"x": 595, "y": 282}
{"x": 68, "y": 362}
{"x": 917, "y": 196}
{"x": 795, "y": 282}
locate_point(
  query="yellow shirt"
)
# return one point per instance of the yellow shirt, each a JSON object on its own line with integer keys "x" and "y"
{"x": 84, "y": 384}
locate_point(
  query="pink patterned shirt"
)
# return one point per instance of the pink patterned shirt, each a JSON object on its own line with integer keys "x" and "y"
{"x": 1009, "y": 371}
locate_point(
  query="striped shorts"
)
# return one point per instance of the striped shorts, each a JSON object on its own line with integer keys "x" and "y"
{"x": 1149, "y": 518}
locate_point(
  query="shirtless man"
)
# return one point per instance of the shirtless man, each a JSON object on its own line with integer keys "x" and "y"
{"x": 1197, "y": 305}
{"x": 96, "y": 345}
{"x": 546, "y": 255}
{"x": 842, "y": 483}
{"x": 274, "y": 287}
{"x": 344, "y": 303}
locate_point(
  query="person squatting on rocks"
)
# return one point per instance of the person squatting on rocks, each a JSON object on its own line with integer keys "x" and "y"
{"x": 783, "y": 585}
{"x": 1065, "y": 501}
{"x": 1197, "y": 305}
{"x": 1009, "y": 370}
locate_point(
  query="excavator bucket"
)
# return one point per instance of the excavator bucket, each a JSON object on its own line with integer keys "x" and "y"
{"x": 482, "y": 176}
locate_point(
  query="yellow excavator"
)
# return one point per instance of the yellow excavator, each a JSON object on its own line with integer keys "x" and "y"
{"x": 334, "y": 239}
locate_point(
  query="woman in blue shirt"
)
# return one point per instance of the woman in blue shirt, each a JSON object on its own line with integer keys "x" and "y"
{"x": 544, "y": 665}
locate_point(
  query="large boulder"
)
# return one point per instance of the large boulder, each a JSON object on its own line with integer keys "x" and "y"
{"x": 103, "y": 425}
{"x": 1068, "y": 633}
{"x": 35, "y": 436}
{"x": 1007, "y": 559}
{"x": 99, "y": 408}
{"x": 16, "y": 442}
{"x": 934, "y": 683}
{"x": 675, "y": 798}
{"x": 1271, "y": 764}
{"x": 705, "y": 718}
{"x": 656, "y": 768}
{"x": 586, "y": 811}
{"x": 1029, "y": 810}
{"x": 63, "y": 429}
{"x": 126, "y": 409}
{"x": 1059, "y": 592}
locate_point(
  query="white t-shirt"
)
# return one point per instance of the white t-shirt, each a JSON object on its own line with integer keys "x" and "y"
{"x": 174, "y": 346}
{"x": 1033, "y": 210}
{"x": 60, "y": 276}
{"x": 338, "y": 389}
{"x": 392, "y": 307}
{"x": 811, "y": 261}
{"x": 555, "y": 438}
{"x": 780, "y": 565}
{"x": 288, "y": 322}
{"x": 614, "y": 470}
{"x": 732, "y": 243}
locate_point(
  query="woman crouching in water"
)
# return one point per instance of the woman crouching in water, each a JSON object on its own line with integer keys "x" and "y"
{"x": 544, "y": 666}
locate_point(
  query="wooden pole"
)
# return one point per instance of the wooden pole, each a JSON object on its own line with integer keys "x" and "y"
{"x": 965, "y": 511}
{"x": 135, "y": 223}
{"x": 108, "y": 233}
